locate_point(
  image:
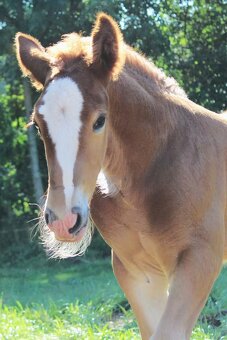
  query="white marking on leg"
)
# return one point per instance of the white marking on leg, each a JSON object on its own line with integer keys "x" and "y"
{"x": 62, "y": 105}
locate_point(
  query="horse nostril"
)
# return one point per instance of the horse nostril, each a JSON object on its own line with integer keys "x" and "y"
{"x": 49, "y": 216}
{"x": 46, "y": 218}
{"x": 77, "y": 225}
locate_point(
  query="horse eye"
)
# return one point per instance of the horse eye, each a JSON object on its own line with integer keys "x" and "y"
{"x": 99, "y": 123}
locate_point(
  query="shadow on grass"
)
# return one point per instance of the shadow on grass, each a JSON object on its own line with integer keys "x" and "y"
{"x": 41, "y": 281}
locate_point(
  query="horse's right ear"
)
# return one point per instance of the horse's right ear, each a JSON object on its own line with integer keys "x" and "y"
{"x": 32, "y": 59}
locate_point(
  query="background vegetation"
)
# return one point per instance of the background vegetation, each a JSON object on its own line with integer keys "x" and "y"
{"x": 185, "y": 38}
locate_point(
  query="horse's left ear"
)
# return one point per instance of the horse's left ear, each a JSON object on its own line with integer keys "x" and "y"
{"x": 107, "y": 46}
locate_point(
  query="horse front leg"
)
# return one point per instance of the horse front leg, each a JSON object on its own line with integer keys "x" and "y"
{"x": 190, "y": 285}
{"x": 147, "y": 297}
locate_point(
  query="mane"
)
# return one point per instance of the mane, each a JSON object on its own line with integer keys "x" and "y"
{"x": 146, "y": 69}
{"x": 73, "y": 47}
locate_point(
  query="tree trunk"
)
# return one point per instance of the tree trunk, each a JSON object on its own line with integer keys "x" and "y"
{"x": 33, "y": 151}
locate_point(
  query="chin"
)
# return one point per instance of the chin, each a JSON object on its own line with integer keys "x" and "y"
{"x": 62, "y": 249}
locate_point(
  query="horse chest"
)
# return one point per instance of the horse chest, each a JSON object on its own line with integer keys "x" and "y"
{"x": 115, "y": 219}
{"x": 128, "y": 233}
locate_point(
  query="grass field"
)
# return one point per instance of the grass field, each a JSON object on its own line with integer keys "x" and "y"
{"x": 43, "y": 299}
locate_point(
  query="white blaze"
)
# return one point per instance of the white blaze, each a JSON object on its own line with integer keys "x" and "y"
{"x": 62, "y": 105}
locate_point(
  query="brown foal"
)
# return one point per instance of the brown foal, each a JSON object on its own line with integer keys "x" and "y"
{"x": 123, "y": 141}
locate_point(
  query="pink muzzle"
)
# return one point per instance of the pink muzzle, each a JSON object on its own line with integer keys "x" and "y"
{"x": 62, "y": 228}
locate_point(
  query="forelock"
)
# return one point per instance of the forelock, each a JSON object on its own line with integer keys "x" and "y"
{"x": 71, "y": 48}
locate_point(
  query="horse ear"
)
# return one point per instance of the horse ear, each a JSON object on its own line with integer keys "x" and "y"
{"x": 32, "y": 59}
{"x": 107, "y": 46}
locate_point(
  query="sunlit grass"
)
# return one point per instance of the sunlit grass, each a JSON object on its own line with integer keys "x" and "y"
{"x": 50, "y": 300}
{"x": 71, "y": 321}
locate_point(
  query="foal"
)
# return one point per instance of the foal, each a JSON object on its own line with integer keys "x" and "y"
{"x": 160, "y": 199}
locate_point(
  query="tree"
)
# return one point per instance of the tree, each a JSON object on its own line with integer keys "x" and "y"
{"x": 197, "y": 36}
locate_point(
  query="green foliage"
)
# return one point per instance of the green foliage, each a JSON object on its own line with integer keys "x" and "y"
{"x": 197, "y": 36}
{"x": 15, "y": 183}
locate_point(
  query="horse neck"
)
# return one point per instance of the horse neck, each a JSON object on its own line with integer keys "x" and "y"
{"x": 137, "y": 126}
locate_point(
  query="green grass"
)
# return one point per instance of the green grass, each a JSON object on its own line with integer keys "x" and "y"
{"x": 43, "y": 299}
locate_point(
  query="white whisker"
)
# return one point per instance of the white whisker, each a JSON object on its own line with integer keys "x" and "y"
{"x": 62, "y": 250}
{"x": 33, "y": 219}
